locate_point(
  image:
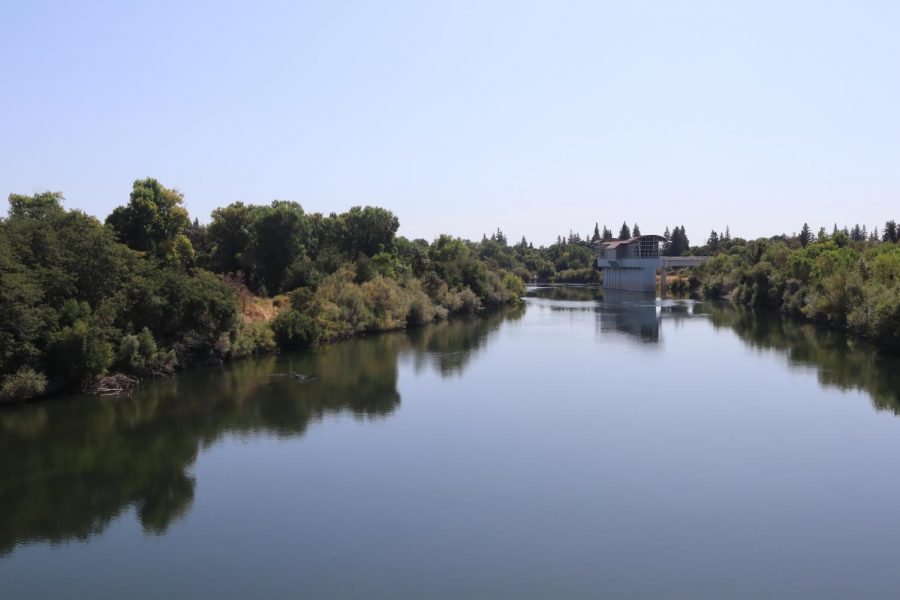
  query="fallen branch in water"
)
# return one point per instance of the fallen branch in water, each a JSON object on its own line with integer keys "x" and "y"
{"x": 113, "y": 385}
{"x": 298, "y": 376}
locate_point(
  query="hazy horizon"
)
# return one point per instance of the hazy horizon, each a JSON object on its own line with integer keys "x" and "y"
{"x": 535, "y": 118}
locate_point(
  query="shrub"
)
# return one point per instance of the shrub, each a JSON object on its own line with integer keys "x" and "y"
{"x": 23, "y": 384}
{"x": 252, "y": 339}
{"x": 294, "y": 330}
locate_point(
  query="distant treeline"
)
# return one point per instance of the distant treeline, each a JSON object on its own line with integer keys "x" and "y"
{"x": 848, "y": 279}
{"x": 149, "y": 290}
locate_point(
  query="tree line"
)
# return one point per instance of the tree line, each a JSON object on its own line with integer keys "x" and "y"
{"x": 149, "y": 290}
{"x": 848, "y": 279}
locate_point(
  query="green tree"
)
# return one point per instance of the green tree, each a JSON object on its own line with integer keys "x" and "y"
{"x": 624, "y": 232}
{"x": 154, "y": 221}
{"x": 891, "y": 234}
{"x": 369, "y": 230}
{"x": 805, "y": 235}
{"x": 277, "y": 242}
{"x": 38, "y": 206}
{"x": 229, "y": 235}
{"x": 635, "y": 231}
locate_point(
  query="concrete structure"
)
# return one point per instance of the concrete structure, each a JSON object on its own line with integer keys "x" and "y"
{"x": 631, "y": 264}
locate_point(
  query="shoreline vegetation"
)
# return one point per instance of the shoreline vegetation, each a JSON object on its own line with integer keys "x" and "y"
{"x": 847, "y": 280}
{"x": 84, "y": 303}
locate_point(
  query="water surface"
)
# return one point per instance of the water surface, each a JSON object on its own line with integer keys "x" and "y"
{"x": 582, "y": 446}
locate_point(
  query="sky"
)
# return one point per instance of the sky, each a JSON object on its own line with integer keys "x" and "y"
{"x": 462, "y": 117}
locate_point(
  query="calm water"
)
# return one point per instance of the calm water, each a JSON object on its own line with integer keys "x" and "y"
{"x": 580, "y": 447}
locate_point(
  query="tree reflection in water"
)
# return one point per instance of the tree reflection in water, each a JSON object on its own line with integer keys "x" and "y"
{"x": 841, "y": 361}
{"x": 74, "y": 464}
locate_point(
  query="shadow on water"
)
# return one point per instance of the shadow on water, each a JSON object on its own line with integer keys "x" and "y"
{"x": 73, "y": 465}
{"x": 841, "y": 361}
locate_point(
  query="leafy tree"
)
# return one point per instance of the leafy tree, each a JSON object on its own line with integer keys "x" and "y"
{"x": 154, "y": 221}
{"x": 229, "y": 234}
{"x": 369, "y": 230}
{"x": 38, "y": 206}
{"x": 277, "y": 242}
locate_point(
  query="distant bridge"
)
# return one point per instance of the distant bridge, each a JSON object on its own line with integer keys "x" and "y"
{"x": 632, "y": 264}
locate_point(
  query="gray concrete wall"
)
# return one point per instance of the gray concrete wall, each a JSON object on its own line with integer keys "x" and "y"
{"x": 630, "y": 274}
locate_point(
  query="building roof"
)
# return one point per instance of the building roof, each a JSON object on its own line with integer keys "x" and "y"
{"x": 617, "y": 243}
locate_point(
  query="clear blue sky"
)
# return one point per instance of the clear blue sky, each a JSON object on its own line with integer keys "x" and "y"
{"x": 536, "y": 117}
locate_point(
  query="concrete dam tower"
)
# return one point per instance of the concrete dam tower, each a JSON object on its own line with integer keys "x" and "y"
{"x": 631, "y": 264}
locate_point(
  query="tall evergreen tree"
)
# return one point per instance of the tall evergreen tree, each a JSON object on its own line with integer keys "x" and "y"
{"x": 805, "y": 235}
{"x": 890, "y": 232}
{"x": 596, "y": 236}
{"x": 635, "y": 231}
{"x": 624, "y": 233}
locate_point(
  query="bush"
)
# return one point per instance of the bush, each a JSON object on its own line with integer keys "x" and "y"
{"x": 252, "y": 339}
{"x": 81, "y": 353}
{"x": 23, "y": 384}
{"x": 294, "y": 330}
{"x": 583, "y": 275}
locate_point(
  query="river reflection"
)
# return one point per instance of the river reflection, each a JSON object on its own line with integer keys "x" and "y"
{"x": 79, "y": 462}
{"x": 635, "y": 315}
{"x": 840, "y": 361}
{"x": 582, "y": 445}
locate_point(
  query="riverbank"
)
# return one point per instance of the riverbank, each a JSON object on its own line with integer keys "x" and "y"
{"x": 148, "y": 292}
{"x": 848, "y": 286}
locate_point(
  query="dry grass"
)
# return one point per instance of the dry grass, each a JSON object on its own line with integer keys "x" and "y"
{"x": 258, "y": 310}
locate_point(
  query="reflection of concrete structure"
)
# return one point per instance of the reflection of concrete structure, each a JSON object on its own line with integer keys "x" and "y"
{"x": 637, "y": 315}
{"x": 630, "y": 313}
{"x": 631, "y": 264}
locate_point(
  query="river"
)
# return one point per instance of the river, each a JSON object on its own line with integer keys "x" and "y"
{"x": 580, "y": 446}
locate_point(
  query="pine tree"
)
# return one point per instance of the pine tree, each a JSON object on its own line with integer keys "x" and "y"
{"x": 856, "y": 233}
{"x": 596, "y": 236}
{"x": 727, "y": 237}
{"x": 823, "y": 235}
{"x": 805, "y": 235}
{"x": 890, "y": 232}
{"x": 607, "y": 234}
{"x": 713, "y": 241}
{"x": 624, "y": 233}
{"x": 635, "y": 231}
